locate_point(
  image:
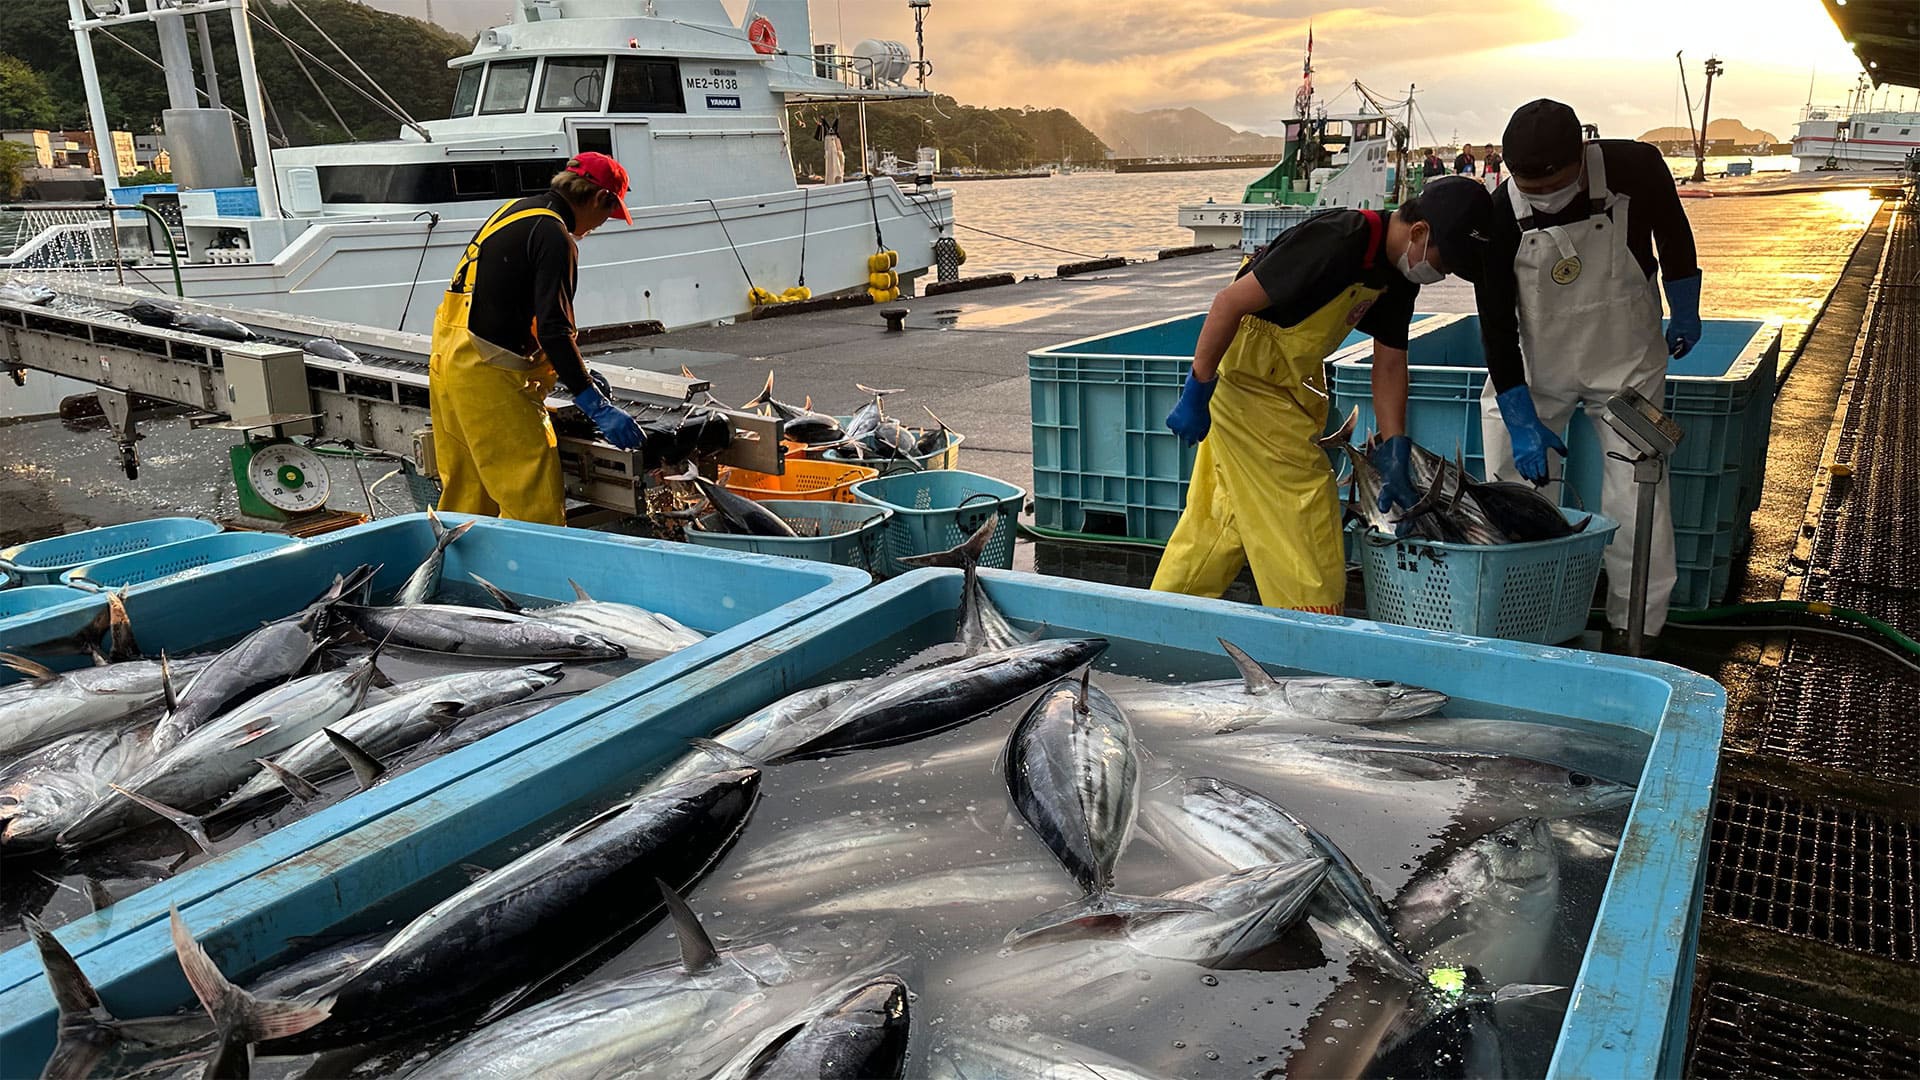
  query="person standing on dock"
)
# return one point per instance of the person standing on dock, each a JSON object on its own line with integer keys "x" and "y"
{"x": 1463, "y": 163}
{"x": 1262, "y": 491}
{"x": 502, "y": 337}
{"x": 1569, "y": 315}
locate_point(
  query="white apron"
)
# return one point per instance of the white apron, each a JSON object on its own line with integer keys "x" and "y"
{"x": 1590, "y": 325}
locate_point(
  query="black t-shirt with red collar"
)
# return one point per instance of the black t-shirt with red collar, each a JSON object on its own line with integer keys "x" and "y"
{"x": 1320, "y": 258}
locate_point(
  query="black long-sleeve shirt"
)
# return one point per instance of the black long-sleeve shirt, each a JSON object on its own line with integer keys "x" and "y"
{"x": 523, "y": 293}
{"x": 1316, "y": 260}
{"x": 1655, "y": 218}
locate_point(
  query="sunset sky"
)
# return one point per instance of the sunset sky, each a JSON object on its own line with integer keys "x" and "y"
{"x": 1474, "y": 60}
{"x": 1239, "y": 60}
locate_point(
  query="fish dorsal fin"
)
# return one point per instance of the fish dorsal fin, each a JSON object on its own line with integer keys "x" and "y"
{"x": 595, "y": 822}
{"x": 1255, "y": 676}
{"x": 295, "y": 784}
{"x": 724, "y": 754}
{"x": 366, "y": 768}
{"x": 166, "y": 685}
{"x": 187, "y": 823}
{"x": 499, "y": 595}
{"x": 475, "y": 872}
{"x": 578, "y": 592}
{"x": 1086, "y": 678}
{"x": 97, "y": 895}
{"x": 32, "y": 670}
{"x": 696, "y": 948}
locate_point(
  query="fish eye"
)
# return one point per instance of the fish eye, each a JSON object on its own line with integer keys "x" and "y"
{"x": 1579, "y": 779}
{"x": 1507, "y": 841}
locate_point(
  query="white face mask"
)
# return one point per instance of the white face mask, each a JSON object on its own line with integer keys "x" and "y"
{"x": 1422, "y": 272}
{"x": 1554, "y": 201}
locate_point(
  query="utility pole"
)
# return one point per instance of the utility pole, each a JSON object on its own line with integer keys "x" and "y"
{"x": 1714, "y": 67}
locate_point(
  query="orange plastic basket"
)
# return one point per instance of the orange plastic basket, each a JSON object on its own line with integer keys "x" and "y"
{"x": 826, "y": 481}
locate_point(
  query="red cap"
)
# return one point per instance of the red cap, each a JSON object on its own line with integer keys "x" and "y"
{"x": 607, "y": 173}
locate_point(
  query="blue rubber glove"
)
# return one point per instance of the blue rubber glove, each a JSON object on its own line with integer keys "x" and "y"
{"x": 1531, "y": 439}
{"x": 1191, "y": 417}
{"x": 600, "y": 383}
{"x": 615, "y": 425}
{"x": 1394, "y": 459}
{"x": 1683, "y": 314}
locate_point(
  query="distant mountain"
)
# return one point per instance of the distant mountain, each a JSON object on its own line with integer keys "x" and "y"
{"x": 1179, "y": 133}
{"x": 1731, "y": 129}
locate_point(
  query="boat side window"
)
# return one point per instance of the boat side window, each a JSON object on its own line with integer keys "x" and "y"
{"x": 467, "y": 93}
{"x": 646, "y": 86}
{"x": 508, "y": 83}
{"x": 598, "y": 140}
{"x": 573, "y": 84}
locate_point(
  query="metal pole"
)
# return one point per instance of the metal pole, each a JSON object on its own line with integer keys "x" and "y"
{"x": 96, "y": 108}
{"x": 175, "y": 58}
{"x": 206, "y": 60}
{"x": 1647, "y": 471}
{"x": 263, "y": 179}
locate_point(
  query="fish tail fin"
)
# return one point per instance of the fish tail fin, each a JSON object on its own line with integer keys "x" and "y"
{"x": 439, "y": 529}
{"x": 98, "y": 898}
{"x": 1102, "y": 905}
{"x": 195, "y": 829}
{"x": 1343, "y": 436}
{"x": 366, "y": 768}
{"x": 964, "y": 555}
{"x": 87, "y": 1030}
{"x": 507, "y": 603}
{"x": 296, "y": 785}
{"x": 241, "y": 1018}
{"x": 865, "y": 389}
{"x": 691, "y": 475}
{"x": 119, "y": 630}
{"x": 763, "y": 397}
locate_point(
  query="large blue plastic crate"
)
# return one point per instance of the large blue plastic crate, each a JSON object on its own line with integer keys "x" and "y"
{"x": 1628, "y": 1006}
{"x": 1539, "y": 592}
{"x": 1103, "y": 459}
{"x": 1721, "y": 394}
{"x": 41, "y": 562}
{"x": 29, "y": 601}
{"x": 936, "y": 510}
{"x": 1261, "y": 225}
{"x": 236, "y": 201}
{"x": 205, "y": 554}
{"x": 733, "y": 597}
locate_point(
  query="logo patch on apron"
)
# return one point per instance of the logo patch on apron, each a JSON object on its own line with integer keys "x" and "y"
{"x": 1359, "y": 311}
{"x": 1567, "y": 270}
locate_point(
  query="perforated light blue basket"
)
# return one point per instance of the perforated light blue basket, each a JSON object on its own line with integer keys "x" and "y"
{"x": 845, "y": 534}
{"x": 934, "y": 511}
{"x": 1537, "y": 592}
{"x": 168, "y": 560}
{"x": 41, "y": 562}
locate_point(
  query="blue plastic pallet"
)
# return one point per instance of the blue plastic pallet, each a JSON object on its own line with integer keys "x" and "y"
{"x": 1629, "y": 1005}
{"x": 1721, "y": 393}
{"x": 1103, "y": 459}
{"x": 734, "y": 597}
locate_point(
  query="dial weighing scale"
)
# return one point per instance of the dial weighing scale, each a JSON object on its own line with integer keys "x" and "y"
{"x": 277, "y": 478}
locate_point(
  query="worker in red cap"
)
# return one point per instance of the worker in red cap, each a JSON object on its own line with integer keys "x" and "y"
{"x": 504, "y": 334}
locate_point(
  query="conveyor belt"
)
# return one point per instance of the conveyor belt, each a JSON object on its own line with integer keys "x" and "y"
{"x": 1746, "y": 1035}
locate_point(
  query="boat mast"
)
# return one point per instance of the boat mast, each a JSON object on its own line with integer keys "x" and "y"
{"x": 1714, "y": 67}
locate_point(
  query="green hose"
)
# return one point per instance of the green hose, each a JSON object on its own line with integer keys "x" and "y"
{"x": 1037, "y": 532}
{"x": 1798, "y": 607}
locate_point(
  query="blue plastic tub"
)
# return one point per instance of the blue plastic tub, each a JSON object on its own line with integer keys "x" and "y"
{"x": 736, "y": 598}
{"x": 1721, "y": 394}
{"x": 934, "y": 511}
{"x": 1539, "y": 592}
{"x": 205, "y": 554}
{"x": 1629, "y": 1005}
{"x": 28, "y": 602}
{"x": 1104, "y": 462}
{"x": 41, "y": 562}
{"x": 845, "y": 534}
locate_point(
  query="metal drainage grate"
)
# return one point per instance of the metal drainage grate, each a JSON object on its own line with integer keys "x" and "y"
{"x": 1839, "y": 876}
{"x": 1742, "y": 1034}
{"x": 1839, "y": 706}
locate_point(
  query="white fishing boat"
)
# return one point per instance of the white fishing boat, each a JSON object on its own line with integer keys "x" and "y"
{"x": 1330, "y": 161}
{"x": 1839, "y": 137}
{"x": 692, "y": 104}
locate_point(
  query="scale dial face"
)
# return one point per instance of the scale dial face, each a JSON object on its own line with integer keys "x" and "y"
{"x": 290, "y": 478}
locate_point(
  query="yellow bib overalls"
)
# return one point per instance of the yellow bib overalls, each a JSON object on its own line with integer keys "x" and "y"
{"x": 492, "y": 438}
{"x": 1262, "y": 492}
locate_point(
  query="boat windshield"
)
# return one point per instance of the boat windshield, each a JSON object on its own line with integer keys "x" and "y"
{"x": 573, "y": 84}
{"x": 508, "y": 83}
{"x": 467, "y": 93}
